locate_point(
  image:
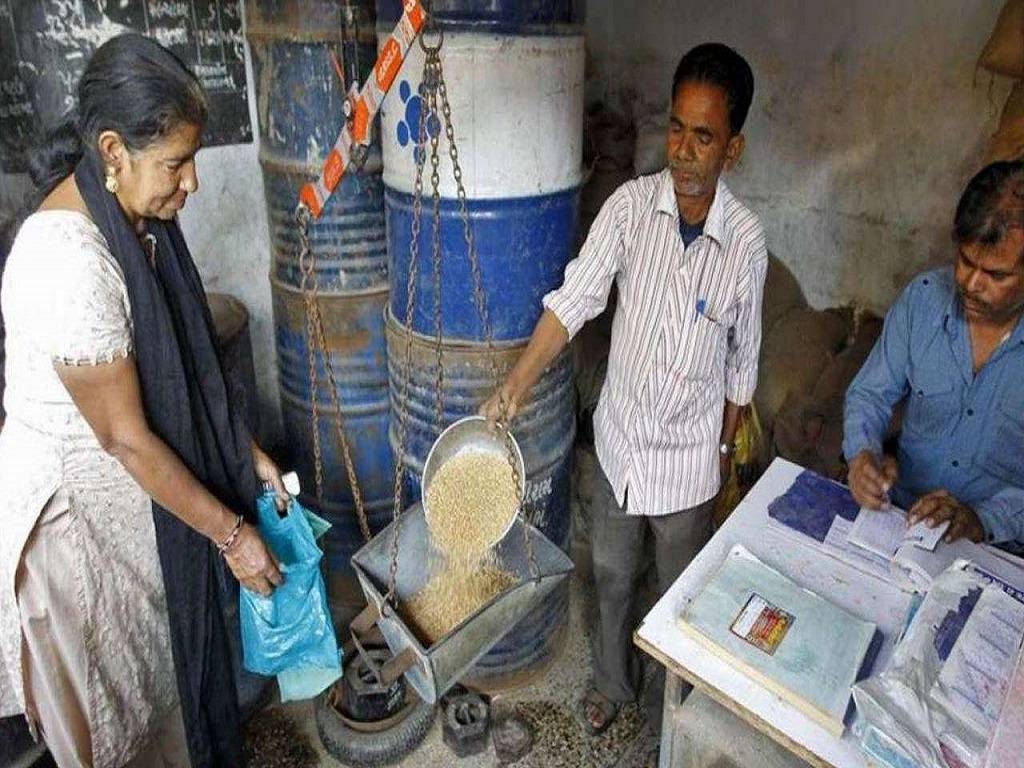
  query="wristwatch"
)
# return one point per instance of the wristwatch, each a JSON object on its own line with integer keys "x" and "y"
{"x": 726, "y": 449}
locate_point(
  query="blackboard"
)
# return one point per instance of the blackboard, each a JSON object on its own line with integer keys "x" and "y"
{"x": 44, "y": 45}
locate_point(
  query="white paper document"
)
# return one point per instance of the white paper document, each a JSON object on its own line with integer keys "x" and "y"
{"x": 974, "y": 679}
{"x": 884, "y": 531}
{"x": 923, "y": 537}
{"x": 823, "y": 514}
{"x": 838, "y": 544}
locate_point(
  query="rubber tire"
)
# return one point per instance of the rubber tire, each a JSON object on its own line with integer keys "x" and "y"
{"x": 371, "y": 750}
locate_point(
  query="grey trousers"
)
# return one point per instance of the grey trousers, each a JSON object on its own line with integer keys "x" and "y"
{"x": 617, "y": 546}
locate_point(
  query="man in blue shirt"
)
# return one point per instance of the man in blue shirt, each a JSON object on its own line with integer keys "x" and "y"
{"x": 953, "y": 348}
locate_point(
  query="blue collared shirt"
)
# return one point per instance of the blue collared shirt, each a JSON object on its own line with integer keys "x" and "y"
{"x": 961, "y": 432}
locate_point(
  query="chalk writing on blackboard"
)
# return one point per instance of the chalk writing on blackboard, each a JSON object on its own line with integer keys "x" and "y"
{"x": 44, "y": 45}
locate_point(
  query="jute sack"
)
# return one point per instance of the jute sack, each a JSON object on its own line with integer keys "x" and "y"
{"x": 782, "y": 293}
{"x": 809, "y": 427}
{"x": 1004, "y": 52}
{"x": 794, "y": 353}
{"x": 810, "y": 433}
{"x": 831, "y": 386}
{"x": 1007, "y": 143}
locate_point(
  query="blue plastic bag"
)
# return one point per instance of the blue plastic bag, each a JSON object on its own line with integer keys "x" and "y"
{"x": 291, "y": 631}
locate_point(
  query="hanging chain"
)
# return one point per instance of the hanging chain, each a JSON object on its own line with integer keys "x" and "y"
{"x": 434, "y": 64}
{"x": 481, "y": 308}
{"x": 410, "y": 307}
{"x": 317, "y": 341}
{"x": 351, "y": 22}
{"x": 434, "y": 93}
{"x": 306, "y": 269}
{"x": 315, "y": 335}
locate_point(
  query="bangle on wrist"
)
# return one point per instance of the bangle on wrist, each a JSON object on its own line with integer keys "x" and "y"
{"x": 225, "y": 545}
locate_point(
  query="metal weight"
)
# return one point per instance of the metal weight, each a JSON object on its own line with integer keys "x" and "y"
{"x": 364, "y": 697}
{"x": 512, "y": 737}
{"x": 466, "y": 723}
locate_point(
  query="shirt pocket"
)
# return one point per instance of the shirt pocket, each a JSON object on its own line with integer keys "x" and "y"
{"x": 704, "y": 348}
{"x": 933, "y": 405}
{"x": 1005, "y": 454}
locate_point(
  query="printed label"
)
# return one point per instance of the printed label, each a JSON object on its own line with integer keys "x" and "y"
{"x": 762, "y": 624}
{"x": 388, "y": 64}
{"x": 537, "y": 492}
{"x": 333, "y": 169}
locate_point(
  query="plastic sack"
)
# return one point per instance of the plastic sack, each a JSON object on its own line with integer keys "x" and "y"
{"x": 301, "y": 683}
{"x": 1004, "y": 52}
{"x": 937, "y": 702}
{"x": 292, "y": 628}
{"x": 746, "y": 462}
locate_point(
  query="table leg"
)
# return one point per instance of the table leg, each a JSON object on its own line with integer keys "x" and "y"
{"x": 669, "y": 754}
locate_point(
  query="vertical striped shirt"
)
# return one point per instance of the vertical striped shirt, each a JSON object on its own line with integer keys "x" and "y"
{"x": 686, "y": 336}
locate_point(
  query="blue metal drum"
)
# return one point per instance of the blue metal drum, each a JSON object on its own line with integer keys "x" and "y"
{"x": 504, "y": 16}
{"x": 545, "y": 430}
{"x": 533, "y": 236}
{"x": 348, "y": 239}
{"x": 517, "y": 110}
{"x": 300, "y": 106}
{"x": 514, "y": 76}
{"x": 300, "y": 101}
{"x": 355, "y": 340}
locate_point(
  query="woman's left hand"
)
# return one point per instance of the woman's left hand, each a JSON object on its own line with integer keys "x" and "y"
{"x": 268, "y": 472}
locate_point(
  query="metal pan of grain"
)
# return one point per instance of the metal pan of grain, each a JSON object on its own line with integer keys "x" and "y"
{"x": 468, "y": 488}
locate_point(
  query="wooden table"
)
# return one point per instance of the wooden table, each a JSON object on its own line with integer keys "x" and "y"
{"x": 865, "y": 596}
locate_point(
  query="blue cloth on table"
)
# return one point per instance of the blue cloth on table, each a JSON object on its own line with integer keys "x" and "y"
{"x": 811, "y": 505}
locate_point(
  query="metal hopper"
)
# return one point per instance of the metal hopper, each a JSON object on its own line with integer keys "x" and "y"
{"x": 433, "y": 671}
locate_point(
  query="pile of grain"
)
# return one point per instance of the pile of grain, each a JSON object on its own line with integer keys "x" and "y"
{"x": 272, "y": 739}
{"x": 560, "y": 741}
{"x": 470, "y": 503}
{"x": 457, "y": 589}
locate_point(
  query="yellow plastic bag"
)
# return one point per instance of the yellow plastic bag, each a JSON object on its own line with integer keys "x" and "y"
{"x": 746, "y": 464}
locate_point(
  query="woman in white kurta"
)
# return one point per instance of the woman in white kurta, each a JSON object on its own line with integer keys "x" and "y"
{"x": 85, "y": 644}
{"x": 90, "y": 569}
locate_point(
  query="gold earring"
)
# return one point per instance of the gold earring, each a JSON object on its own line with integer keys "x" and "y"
{"x": 111, "y": 182}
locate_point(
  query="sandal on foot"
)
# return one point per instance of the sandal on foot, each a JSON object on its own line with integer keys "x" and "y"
{"x": 597, "y": 712}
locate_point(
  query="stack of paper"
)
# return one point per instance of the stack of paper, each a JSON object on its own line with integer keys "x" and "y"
{"x": 885, "y": 531}
{"x": 812, "y": 504}
{"x": 823, "y": 514}
{"x": 795, "y": 643}
{"x": 937, "y": 701}
{"x": 1007, "y": 745}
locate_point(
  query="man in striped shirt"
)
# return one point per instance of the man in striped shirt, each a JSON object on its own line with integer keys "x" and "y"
{"x": 689, "y": 263}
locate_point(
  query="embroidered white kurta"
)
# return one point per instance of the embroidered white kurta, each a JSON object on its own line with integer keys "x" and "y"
{"x": 64, "y": 299}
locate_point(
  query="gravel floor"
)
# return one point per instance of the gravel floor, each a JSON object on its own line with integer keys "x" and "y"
{"x": 548, "y": 704}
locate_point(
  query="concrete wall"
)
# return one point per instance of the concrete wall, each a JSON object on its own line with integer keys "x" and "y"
{"x": 866, "y": 121}
{"x": 225, "y": 225}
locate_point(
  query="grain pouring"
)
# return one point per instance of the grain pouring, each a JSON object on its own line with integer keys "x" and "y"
{"x": 470, "y": 504}
{"x": 455, "y": 591}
